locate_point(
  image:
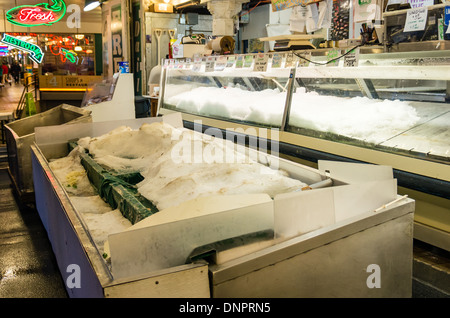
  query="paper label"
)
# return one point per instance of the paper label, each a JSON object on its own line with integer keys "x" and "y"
{"x": 209, "y": 67}
{"x": 416, "y": 20}
{"x": 332, "y": 54}
{"x": 304, "y": 62}
{"x": 239, "y": 61}
{"x": 248, "y": 60}
{"x": 221, "y": 63}
{"x": 276, "y": 60}
{"x": 352, "y": 58}
{"x": 290, "y": 60}
{"x": 231, "y": 60}
{"x": 197, "y": 64}
{"x": 420, "y": 3}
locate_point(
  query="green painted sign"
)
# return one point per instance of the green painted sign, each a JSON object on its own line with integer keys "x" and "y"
{"x": 35, "y": 51}
{"x": 364, "y": 2}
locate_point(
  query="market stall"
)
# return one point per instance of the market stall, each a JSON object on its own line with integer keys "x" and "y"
{"x": 204, "y": 242}
{"x": 389, "y": 109}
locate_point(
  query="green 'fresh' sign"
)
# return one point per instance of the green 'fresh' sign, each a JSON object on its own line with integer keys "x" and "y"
{"x": 39, "y": 14}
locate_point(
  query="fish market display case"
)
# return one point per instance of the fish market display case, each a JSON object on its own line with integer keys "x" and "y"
{"x": 330, "y": 238}
{"x": 385, "y": 108}
{"x": 20, "y": 136}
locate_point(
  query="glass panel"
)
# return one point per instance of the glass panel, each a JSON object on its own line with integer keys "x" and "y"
{"x": 224, "y": 95}
{"x": 394, "y": 102}
{"x": 396, "y": 114}
{"x": 67, "y": 54}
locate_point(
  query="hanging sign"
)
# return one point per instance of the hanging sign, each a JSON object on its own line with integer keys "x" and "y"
{"x": 39, "y": 14}
{"x": 35, "y": 51}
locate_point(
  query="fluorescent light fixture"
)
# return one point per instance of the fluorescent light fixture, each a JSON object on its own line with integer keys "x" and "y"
{"x": 91, "y": 4}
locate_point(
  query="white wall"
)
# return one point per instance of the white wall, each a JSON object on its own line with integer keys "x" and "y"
{"x": 260, "y": 17}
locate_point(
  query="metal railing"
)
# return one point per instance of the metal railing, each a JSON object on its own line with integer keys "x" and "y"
{"x": 31, "y": 84}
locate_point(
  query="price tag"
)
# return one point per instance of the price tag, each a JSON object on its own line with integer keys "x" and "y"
{"x": 303, "y": 61}
{"x": 420, "y": 3}
{"x": 276, "y": 60}
{"x": 333, "y": 54}
{"x": 197, "y": 64}
{"x": 231, "y": 60}
{"x": 188, "y": 63}
{"x": 209, "y": 67}
{"x": 261, "y": 62}
{"x": 248, "y": 60}
{"x": 416, "y": 19}
{"x": 221, "y": 63}
{"x": 290, "y": 60}
{"x": 239, "y": 61}
{"x": 352, "y": 58}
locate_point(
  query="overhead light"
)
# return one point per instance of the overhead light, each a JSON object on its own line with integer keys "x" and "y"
{"x": 184, "y": 4}
{"x": 91, "y": 4}
{"x": 166, "y": 1}
{"x": 78, "y": 48}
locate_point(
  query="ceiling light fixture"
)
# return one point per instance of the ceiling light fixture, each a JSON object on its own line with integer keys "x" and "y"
{"x": 92, "y": 4}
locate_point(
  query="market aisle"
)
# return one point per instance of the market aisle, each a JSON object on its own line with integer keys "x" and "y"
{"x": 10, "y": 96}
{"x": 28, "y": 266}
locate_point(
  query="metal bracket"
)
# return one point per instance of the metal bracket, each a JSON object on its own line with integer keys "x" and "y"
{"x": 367, "y": 88}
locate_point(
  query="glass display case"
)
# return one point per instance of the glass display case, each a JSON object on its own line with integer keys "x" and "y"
{"x": 388, "y": 108}
{"x": 397, "y": 103}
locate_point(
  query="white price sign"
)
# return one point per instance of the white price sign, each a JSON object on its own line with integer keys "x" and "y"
{"x": 416, "y": 19}
{"x": 352, "y": 58}
{"x": 261, "y": 62}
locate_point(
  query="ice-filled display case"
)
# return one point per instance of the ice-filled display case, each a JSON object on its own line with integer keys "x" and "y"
{"x": 384, "y": 108}
{"x": 214, "y": 229}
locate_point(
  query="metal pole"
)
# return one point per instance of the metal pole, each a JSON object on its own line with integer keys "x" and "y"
{"x": 287, "y": 106}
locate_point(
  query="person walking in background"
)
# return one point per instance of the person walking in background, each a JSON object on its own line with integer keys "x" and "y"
{"x": 15, "y": 71}
{"x": 5, "y": 70}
